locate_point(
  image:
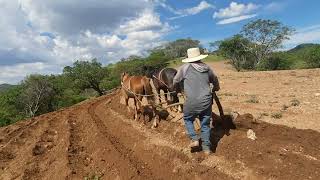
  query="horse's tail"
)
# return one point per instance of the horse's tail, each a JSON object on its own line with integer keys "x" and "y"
{"x": 147, "y": 87}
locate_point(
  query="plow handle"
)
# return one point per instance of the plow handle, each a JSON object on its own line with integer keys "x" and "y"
{"x": 215, "y": 97}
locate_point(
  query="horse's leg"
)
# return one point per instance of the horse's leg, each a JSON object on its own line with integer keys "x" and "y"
{"x": 126, "y": 99}
{"x": 165, "y": 91}
{"x": 159, "y": 95}
{"x": 169, "y": 97}
{"x": 155, "y": 121}
{"x": 141, "y": 109}
{"x": 135, "y": 110}
{"x": 179, "y": 108}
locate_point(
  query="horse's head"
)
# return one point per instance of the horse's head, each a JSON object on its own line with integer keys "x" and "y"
{"x": 124, "y": 76}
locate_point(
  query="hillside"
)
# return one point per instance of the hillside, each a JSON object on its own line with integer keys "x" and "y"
{"x": 4, "y": 87}
{"x": 303, "y": 47}
{"x": 98, "y": 138}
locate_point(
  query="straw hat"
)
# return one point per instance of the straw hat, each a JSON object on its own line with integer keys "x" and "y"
{"x": 194, "y": 55}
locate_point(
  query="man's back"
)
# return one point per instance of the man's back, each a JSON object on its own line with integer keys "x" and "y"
{"x": 197, "y": 78}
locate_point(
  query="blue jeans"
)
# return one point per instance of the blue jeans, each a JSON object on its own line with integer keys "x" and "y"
{"x": 204, "y": 117}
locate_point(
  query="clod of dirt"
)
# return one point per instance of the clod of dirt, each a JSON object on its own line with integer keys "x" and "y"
{"x": 6, "y": 155}
{"x": 31, "y": 173}
{"x": 38, "y": 150}
{"x": 251, "y": 134}
{"x": 245, "y": 121}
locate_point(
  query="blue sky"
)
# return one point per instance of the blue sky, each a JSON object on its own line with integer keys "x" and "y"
{"x": 39, "y": 36}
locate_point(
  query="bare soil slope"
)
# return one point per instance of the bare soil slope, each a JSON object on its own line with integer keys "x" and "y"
{"x": 99, "y": 139}
{"x": 288, "y": 97}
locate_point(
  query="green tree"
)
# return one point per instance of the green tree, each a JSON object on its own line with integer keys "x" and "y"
{"x": 313, "y": 57}
{"x": 265, "y": 37}
{"x": 144, "y": 66}
{"x": 66, "y": 94}
{"x": 235, "y": 50}
{"x": 87, "y": 74}
{"x": 9, "y": 111}
{"x": 37, "y": 94}
{"x": 179, "y": 47}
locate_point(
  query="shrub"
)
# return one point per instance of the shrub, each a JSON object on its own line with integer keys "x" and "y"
{"x": 284, "y": 107}
{"x": 9, "y": 110}
{"x": 277, "y": 61}
{"x": 312, "y": 57}
{"x": 295, "y": 102}
{"x": 235, "y": 49}
{"x": 276, "y": 115}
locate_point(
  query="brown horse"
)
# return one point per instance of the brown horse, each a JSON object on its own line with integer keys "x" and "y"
{"x": 136, "y": 87}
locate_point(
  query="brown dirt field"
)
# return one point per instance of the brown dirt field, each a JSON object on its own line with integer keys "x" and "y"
{"x": 98, "y": 138}
{"x": 295, "y": 94}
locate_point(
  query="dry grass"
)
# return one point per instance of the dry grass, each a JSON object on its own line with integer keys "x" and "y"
{"x": 295, "y": 102}
{"x": 276, "y": 115}
{"x": 253, "y": 99}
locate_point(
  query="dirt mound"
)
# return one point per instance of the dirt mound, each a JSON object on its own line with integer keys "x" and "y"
{"x": 99, "y": 139}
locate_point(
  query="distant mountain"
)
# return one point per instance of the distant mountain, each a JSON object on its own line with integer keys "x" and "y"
{"x": 4, "y": 87}
{"x": 301, "y": 47}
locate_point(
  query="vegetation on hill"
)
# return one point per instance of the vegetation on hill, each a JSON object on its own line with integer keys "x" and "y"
{"x": 38, "y": 94}
{"x": 254, "y": 44}
{"x": 4, "y": 87}
{"x": 300, "y": 57}
{"x": 257, "y": 45}
{"x": 302, "y": 47}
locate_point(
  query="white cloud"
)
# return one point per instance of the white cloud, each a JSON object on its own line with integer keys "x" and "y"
{"x": 203, "y": 5}
{"x": 147, "y": 20}
{"x": 107, "y": 30}
{"x": 72, "y": 16}
{"x": 163, "y": 4}
{"x": 309, "y": 34}
{"x": 235, "y": 12}
{"x": 236, "y": 19}
{"x": 17, "y": 72}
{"x": 64, "y": 51}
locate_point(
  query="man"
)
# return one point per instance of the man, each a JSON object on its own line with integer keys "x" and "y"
{"x": 196, "y": 77}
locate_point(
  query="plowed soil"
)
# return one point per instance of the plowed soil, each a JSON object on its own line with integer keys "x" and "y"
{"x": 99, "y": 139}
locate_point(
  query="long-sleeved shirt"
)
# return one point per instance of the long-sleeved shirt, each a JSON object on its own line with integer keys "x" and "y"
{"x": 196, "y": 79}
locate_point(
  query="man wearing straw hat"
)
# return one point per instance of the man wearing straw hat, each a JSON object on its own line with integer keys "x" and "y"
{"x": 196, "y": 77}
